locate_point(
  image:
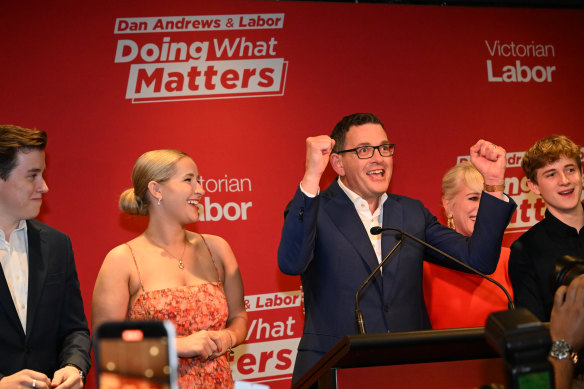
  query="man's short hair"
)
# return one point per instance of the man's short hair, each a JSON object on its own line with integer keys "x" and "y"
{"x": 549, "y": 150}
{"x": 357, "y": 119}
{"x": 14, "y": 139}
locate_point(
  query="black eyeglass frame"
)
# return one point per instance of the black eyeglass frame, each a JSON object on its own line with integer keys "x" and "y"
{"x": 390, "y": 145}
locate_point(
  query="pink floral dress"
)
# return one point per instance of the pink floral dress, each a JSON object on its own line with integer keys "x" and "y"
{"x": 191, "y": 308}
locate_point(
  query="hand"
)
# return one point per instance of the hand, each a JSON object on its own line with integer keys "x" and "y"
{"x": 197, "y": 345}
{"x": 490, "y": 160}
{"x": 223, "y": 340}
{"x": 567, "y": 319}
{"x": 26, "y": 379}
{"x": 318, "y": 152}
{"x": 67, "y": 377}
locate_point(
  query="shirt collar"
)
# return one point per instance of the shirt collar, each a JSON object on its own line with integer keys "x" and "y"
{"x": 21, "y": 224}
{"x": 557, "y": 226}
{"x": 354, "y": 197}
{"x": 21, "y": 228}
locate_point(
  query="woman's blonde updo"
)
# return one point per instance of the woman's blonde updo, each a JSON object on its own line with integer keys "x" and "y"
{"x": 155, "y": 165}
{"x": 462, "y": 173}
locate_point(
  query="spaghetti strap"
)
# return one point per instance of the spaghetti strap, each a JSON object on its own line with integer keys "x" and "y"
{"x": 137, "y": 269}
{"x": 213, "y": 259}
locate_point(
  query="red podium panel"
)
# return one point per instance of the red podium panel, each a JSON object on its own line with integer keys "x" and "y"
{"x": 452, "y": 358}
{"x": 467, "y": 374}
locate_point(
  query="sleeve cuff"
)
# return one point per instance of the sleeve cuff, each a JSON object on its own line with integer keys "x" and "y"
{"x": 309, "y": 194}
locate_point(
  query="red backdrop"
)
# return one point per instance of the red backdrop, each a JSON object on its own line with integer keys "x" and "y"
{"x": 107, "y": 82}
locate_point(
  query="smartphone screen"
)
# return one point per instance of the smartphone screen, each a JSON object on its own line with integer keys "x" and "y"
{"x": 136, "y": 355}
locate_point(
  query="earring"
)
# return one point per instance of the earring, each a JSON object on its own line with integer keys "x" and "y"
{"x": 451, "y": 222}
{"x": 158, "y": 201}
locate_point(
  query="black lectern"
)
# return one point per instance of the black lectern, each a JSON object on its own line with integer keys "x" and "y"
{"x": 423, "y": 348}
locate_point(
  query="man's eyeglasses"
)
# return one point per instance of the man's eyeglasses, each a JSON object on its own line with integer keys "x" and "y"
{"x": 366, "y": 152}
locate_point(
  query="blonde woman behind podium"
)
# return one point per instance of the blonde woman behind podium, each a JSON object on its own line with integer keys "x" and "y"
{"x": 455, "y": 299}
{"x": 170, "y": 273}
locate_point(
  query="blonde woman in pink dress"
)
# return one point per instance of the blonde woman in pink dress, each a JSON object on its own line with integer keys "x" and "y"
{"x": 170, "y": 273}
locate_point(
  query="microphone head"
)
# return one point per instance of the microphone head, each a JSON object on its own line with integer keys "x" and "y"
{"x": 376, "y": 230}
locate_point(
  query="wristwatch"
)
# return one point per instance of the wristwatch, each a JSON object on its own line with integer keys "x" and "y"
{"x": 562, "y": 350}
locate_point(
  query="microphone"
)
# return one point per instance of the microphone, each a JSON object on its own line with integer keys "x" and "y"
{"x": 379, "y": 230}
{"x": 358, "y": 315}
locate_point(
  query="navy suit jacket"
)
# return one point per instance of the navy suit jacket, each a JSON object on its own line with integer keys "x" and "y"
{"x": 56, "y": 328}
{"x": 324, "y": 240}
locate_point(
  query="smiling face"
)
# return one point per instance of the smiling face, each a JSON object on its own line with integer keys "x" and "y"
{"x": 21, "y": 195}
{"x": 559, "y": 183}
{"x": 369, "y": 178}
{"x": 182, "y": 192}
{"x": 462, "y": 186}
{"x": 463, "y": 208}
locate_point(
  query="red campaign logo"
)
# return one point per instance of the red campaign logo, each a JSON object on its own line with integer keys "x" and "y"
{"x": 173, "y": 68}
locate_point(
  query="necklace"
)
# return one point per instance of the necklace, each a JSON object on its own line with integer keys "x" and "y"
{"x": 181, "y": 265}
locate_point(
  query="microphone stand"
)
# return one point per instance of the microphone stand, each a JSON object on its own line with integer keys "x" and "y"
{"x": 358, "y": 315}
{"x": 379, "y": 230}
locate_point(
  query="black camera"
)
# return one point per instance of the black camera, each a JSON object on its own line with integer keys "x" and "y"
{"x": 523, "y": 342}
{"x": 567, "y": 268}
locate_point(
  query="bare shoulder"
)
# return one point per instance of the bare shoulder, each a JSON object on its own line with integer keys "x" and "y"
{"x": 119, "y": 254}
{"x": 118, "y": 251}
{"x": 120, "y": 258}
{"x": 215, "y": 241}
{"x": 219, "y": 247}
{"x": 119, "y": 271}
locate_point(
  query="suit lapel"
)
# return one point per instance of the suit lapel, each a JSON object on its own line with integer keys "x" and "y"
{"x": 37, "y": 270}
{"x": 343, "y": 214}
{"x": 392, "y": 217}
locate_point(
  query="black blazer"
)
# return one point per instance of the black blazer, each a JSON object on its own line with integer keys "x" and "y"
{"x": 56, "y": 328}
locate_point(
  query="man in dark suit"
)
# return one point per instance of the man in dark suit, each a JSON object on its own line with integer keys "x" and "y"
{"x": 326, "y": 236}
{"x": 44, "y": 337}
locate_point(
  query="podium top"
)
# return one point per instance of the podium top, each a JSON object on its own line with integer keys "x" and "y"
{"x": 402, "y": 348}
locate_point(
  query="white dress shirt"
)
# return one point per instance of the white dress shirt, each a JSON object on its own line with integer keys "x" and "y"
{"x": 14, "y": 260}
{"x": 368, "y": 219}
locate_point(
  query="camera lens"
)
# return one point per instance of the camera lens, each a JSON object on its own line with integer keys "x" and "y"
{"x": 567, "y": 268}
